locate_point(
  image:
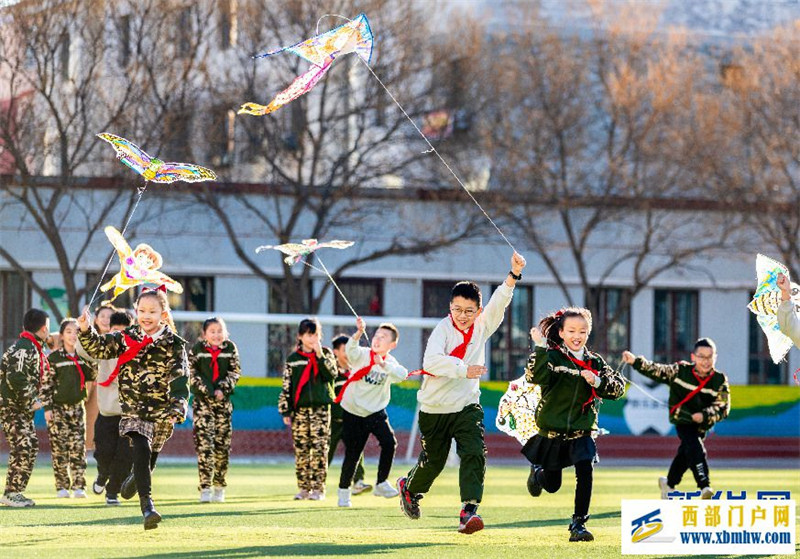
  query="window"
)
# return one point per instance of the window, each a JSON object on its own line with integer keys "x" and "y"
{"x": 228, "y": 25}
{"x": 184, "y": 31}
{"x": 675, "y": 327}
{"x": 281, "y": 338}
{"x": 221, "y": 139}
{"x": 435, "y": 303}
{"x": 63, "y": 51}
{"x": 760, "y": 368}
{"x": 124, "y": 38}
{"x": 365, "y": 296}
{"x": 198, "y": 295}
{"x": 510, "y": 345}
{"x": 611, "y": 320}
{"x": 176, "y": 128}
{"x": 15, "y": 299}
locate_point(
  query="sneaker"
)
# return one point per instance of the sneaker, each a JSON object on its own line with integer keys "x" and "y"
{"x": 205, "y": 495}
{"x": 469, "y": 521}
{"x": 112, "y": 500}
{"x": 317, "y": 495}
{"x": 360, "y": 487}
{"x": 16, "y": 500}
{"x": 79, "y": 493}
{"x": 534, "y": 487}
{"x": 302, "y": 495}
{"x": 128, "y": 488}
{"x": 409, "y": 502}
{"x": 219, "y": 495}
{"x": 344, "y": 498}
{"x": 663, "y": 485}
{"x": 706, "y": 493}
{"x": 383, "y": 489}
{"x": 578, "y": 531}
{"x": 98, "y": 486}
{"x": 62, "y": 494}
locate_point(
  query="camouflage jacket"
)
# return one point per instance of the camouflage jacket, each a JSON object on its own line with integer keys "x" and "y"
{"x": 567, "y": 404}
{"x": 713, "y": 401}
{"x": 20, "y": 375}
{"x": 317, "y": 392}
{"x": 154, "y": 385}
{"x": 61, "y": 384}
{"x": 202, "y": 371}
{"x": 342, "y": 375}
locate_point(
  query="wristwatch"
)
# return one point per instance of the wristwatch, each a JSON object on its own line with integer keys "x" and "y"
{"x": 515, "y": 276}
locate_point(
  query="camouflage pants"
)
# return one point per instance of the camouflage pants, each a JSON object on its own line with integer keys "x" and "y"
{"x": 23, "y": 446}
{"x": 67, "y": 430}
{"x": 311, "y": 435}
{"x": 212, "y": 439}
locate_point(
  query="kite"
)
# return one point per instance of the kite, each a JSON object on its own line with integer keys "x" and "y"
{"x": 296, "y": 251}
{"x": 321, "y": 50}
{"x": 517, "y": 408}
{"x": 137, "y": 266}
{"x": 153, "y": 169}
{"x": 765, "y": 305}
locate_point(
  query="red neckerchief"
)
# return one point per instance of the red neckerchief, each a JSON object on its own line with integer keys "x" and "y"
{"x": 588, "y": 366}
{"x": 128, "y": 355}
{"x": 460, "y": 350}
{"x": 77, "y": 366}
{"x": 306, "y": 375}
{"x": 358, "y": 375}
{"x": 43, "y": 362}
{"x": 674, "y": 409}
{"x": 214, "y": 362}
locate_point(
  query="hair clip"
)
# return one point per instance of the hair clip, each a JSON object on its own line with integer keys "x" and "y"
{"x": 559, "y": 314}
{"x": 162, "y": 288}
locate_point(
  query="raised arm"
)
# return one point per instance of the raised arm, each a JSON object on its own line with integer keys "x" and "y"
{"x": 659, "y": 372}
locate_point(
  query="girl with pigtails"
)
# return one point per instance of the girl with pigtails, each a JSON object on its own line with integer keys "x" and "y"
{"x": 573, "y": 381}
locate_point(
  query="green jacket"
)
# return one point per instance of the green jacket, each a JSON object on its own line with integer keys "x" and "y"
{"x": 317, "y": 392}
{"x": 61, "y": 383}
{"x": 20, "y": 375}
{"x": 341, "y": 377}
{"x": 564, "y": 391}
{"x": 154, "y": 385}
{"x": 713, "y": 401}
{"x": 202, "y": 370}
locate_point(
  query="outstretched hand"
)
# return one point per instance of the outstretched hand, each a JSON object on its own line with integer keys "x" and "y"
{"x": 537, "y": 337}
{"x": 785, "y": 286}
{"x": 84, "y": 320}
{"x": 628, "y": 357}
{"x": 517, "y": 263}
{"x": 361, "y": 327}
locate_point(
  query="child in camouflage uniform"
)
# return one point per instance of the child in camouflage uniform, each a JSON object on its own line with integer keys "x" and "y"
{"x": 63, "y": 393}
{"x": 153, "y": 374}
{"x": 305, "y": 403}
{"x": 21, "y": 369}
{"x": 574, "y": 381}
{"x": 699, "y": 397}
{"x": 215, "y": 370}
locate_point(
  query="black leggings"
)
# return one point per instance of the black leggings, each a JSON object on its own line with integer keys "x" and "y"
{"x": 355, "y": 432}
{"x": 550, "y": 480}
{"x": 144, "y": 461}
{"x": 691, "y": 455}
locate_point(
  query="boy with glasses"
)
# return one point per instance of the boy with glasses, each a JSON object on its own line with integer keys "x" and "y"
{"x": 449, "y": 397}
{"x": 699, "y": 397}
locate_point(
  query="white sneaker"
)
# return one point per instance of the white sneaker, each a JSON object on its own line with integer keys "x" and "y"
{"x": 706, "y": 493}
{"x": 664, "y": 487}
{"x": 62, "y": 494}
{"x": 16, "y": 500}
{"x": 219, "y": 495}
{"x": 383, "y": 489}
{"x": 205, "y": 495}
{"x": 79, "y": 494}
{"x": 317, "y": 495}
{"x": 344, "y": 498}
{"x": 302, "y": 495}
{"x": 360, "y": 487}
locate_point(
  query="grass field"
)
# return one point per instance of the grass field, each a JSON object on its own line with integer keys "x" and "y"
{"x": 259, "y": 518}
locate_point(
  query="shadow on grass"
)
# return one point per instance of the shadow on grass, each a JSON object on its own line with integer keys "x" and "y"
{"x": 552, "y": 521}
{"x": 295, "y": 550}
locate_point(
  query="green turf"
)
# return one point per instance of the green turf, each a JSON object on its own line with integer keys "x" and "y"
{"x": 259, "y": 518}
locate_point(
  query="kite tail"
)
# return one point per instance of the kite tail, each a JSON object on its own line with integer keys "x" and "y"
{"x": 254, "y": 109}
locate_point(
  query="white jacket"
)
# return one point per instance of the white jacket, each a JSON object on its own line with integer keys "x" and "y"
{"x": 107, "y": 396}
{"x": 789, "y": 322}
{"x": 372, "y": 393}
{"x": 449, "y": 390}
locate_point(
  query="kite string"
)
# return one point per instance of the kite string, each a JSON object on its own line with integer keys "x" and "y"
{"x": 433, "y": 149}
{"x": 323, "y": 16}
{"x": 113, "y": 251}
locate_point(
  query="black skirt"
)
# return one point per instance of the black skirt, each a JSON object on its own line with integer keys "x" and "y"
{"x": 557, "y": 454}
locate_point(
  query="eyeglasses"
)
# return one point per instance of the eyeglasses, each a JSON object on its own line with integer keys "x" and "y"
{"x": 469, "y": 313}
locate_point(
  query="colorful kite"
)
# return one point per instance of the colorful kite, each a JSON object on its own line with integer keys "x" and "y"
{"x": 153, "y": 169}
{"x": 321, "y": 50}
{"x": 137, "y": 266}
{"x": 296, "y": 251}
{"x": 517, "y": 408}
{"x": 765, "y": 305}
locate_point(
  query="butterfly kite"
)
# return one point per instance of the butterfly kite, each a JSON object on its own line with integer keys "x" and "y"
{"x": 321, "y": 50}
{"x": 296, "y": 251}
{"x": 153, "y": 169}
{"x": 516, "y": 410}
{"x": 137, "y": 266}
{"x": 765, "y": 305}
